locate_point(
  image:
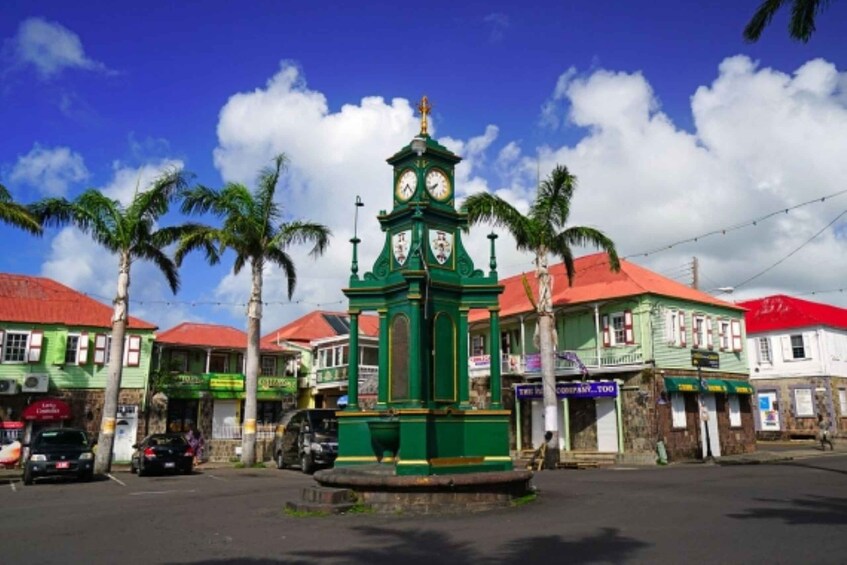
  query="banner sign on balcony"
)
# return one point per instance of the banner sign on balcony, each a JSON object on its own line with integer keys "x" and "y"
{"x": 569, "y": 390}
{"x": 533, "y": 362}
{"x": 479, "y": 362}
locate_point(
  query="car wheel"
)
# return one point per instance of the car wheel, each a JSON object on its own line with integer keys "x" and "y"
{"x": 141, "y": 470}
{"x": 306, "y": 464}
{"x": 280, "y": 461}
{"x": 27, "y": 475}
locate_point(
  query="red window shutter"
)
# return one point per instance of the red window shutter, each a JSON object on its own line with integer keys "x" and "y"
{"x": 695, "y": 334}
{"x": 133, "y": 357}
{"x": 100, "y": 349}
{"x": 710, "y": 342}
{"x": 627, "y": 324}
{"x": 721, "y": 328}
{"x": 736, "y": 335}
{"x": 82, "y": 355}
{"x": 606, "y": 337}
{"x": 682, "y": 341}
{"x": 36, "y": 341}
{"x": 2, "y": 343}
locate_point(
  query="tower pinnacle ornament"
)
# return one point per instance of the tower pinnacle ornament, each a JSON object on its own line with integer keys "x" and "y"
{"x": 424, "y": 108}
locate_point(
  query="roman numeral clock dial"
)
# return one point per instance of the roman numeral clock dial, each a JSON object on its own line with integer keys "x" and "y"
{"x": 407, "y": 182}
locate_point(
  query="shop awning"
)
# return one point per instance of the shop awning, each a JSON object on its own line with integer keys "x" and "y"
{"x": 47, "y": 410}
{"x": 691, "y": 384}
{"x": 738, "y": 387}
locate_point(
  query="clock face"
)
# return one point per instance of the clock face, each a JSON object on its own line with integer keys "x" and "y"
{"x": 407, "y": 182}
{"x": 438, "y": 184}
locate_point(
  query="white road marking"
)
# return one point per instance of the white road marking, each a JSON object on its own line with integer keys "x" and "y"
{"x": 141, "y": 493}
{"x": 216, "y": 478}
{"x": 14, "y": 488}
{"x": 120, "y": 482}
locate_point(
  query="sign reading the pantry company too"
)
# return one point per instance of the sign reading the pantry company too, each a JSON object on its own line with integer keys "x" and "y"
{"x": 592, "y": 389}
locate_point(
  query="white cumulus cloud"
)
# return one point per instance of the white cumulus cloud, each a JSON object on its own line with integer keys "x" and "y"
{"x": 50, "y": 47}
{"x": 50, "y": 171}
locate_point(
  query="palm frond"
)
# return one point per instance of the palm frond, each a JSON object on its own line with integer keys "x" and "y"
{"x": 198, "y": 236}
{"x": 488, "y": 208}
{"x": 16, "y": 214}
{"x": 801, "y": 26}
{"x": 165, "y": 264}
{"x": 300, "y": 232}
{"x": 281, "y": 258}
{"x": 155, "y": 201}
{"x": 761, "y": 19}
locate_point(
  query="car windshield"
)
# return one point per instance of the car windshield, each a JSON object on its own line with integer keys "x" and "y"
{"x": 62, "y": 437}
{"x": 326, "y": 424}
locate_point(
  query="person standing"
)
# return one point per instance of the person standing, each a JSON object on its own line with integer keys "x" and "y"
{"x": 823, "y": 433}
{"x": 195, "y": 440}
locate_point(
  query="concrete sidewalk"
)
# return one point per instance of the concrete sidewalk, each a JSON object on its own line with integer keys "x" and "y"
{"x": 775, "y": 452}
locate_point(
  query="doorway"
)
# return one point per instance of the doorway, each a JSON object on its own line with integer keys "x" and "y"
{"x": 708, "y": 405}
{"x": 607, "y": 425}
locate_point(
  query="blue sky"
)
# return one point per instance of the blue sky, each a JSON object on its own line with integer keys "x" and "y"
{"x": 674, "y": 126}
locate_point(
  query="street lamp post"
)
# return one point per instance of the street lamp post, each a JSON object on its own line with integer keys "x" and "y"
{"x": 705, "y": 416}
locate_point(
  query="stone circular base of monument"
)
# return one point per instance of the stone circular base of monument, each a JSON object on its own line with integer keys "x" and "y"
{"x": 377, "y": 488}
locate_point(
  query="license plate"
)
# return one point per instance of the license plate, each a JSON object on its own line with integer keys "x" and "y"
{"x": 170, "y": 465}
{"x": 63, "y": 465}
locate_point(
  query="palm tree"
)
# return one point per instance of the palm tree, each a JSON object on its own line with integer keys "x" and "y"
{"x": 252, "y": 228}
{"x": 543, "y": 231}
{"x": 801, "y": 26}
{"x": 131, "y": 233}
{"x": 15, "y": 214}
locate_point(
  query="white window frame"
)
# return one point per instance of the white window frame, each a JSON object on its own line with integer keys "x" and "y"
{"x": 679, "y": 419}
{"x": 672, "y": 327}
{"x": 5, "y": 347}
{"x": 802, "y": 347}
{"x": 617, "y": 328}
{"x": 267, "y": 370}
{"x": 75, "y": 360}
{"x": 698, "y": 331}
{"x": 842, "y": 398}
{"x": 764, "y": 351}
{"x": 807, "y": 391}
{"x": 723, "y": 335}
{"x": 734, "y": 408}
{"x": 478, "y": 345}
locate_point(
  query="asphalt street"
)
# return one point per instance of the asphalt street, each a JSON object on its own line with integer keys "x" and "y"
{"x": 789, "y": 512}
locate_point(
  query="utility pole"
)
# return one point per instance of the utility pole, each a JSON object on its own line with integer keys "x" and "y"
{"x": 695, "y": 273}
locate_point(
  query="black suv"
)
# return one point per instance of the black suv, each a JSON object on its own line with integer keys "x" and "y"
{"x": 310, "y": 440}
{"x": 59, "y": 452}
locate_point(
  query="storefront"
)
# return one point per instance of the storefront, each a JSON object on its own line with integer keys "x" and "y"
{"x": 589, "y": 415}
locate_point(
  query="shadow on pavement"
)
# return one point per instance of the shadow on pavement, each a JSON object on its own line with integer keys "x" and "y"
{"x": 811, "y": 510}
{"x": 426, "y": 547}
{"x": 818, "y": 467}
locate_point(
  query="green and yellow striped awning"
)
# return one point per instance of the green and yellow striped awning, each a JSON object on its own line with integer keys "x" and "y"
{"x": 691, "y": 384}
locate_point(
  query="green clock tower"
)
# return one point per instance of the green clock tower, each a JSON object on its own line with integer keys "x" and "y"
{"x": 422, "y": 285}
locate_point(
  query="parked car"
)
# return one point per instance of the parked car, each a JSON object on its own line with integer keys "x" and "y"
{"x": 310, "y": 440}
{"x": 162, "y": 453}
{"x": 59, "y": 452}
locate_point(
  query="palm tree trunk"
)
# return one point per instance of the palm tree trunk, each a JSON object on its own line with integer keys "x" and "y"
{"x": 251, "y": 380}
{"x": 105, "y": 441}
{"x": 546, "y": 346}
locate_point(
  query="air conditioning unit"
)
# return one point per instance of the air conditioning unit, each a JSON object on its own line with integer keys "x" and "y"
{"x": 36, "y": 383}
{"x": 8, "y": 386}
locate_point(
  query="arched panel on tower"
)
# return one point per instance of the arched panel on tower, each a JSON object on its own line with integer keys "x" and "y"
{"x": 445, "y": 371}
{"x": 398, "y": 368}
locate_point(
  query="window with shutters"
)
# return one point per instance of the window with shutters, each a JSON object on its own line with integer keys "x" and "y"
{"x": 698, "y": 331}
{"x": 15, "y": 347}
{"x": 478, "y": 345}
{"x": 798, "y": 348}
{"x": 268, "y": 367}
{"x": 734, "y": 405}
{"x": 723, "y": 334}
{"x": 678, "y": 410}
{"x": 72, "y": 349}
{"x": 618, "y": 334}
{"x": 764, "y": 348}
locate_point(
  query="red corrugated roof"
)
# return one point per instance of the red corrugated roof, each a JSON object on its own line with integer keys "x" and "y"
{"x": 780, "y": 312}
{"x": 594, "y": 281}
{"x": 39, "y": 300}
{"x": 314, "y": 326}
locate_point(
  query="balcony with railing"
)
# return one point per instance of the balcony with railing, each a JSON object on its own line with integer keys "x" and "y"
{"x": 569, "y": 362}
{"x": 338, "y": 376}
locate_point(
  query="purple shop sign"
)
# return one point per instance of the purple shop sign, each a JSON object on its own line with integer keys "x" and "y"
{"x": 570, "y": 390}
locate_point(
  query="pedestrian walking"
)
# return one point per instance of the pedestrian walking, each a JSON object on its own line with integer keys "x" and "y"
{"x": 823, "y": 433}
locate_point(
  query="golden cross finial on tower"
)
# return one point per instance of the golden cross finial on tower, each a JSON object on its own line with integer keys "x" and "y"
{"x": 424, "y": 108}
